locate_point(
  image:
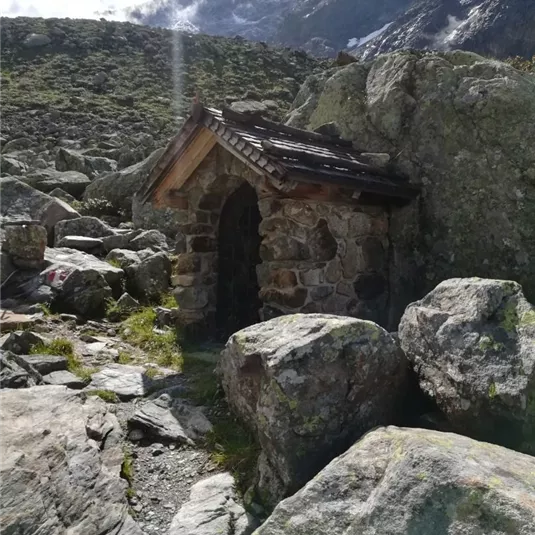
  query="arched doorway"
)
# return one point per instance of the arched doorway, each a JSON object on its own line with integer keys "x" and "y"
{"x": 238, "y": 251}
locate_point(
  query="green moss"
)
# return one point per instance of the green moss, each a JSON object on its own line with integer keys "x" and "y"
{"x": 471, "y": 505}
{"x": 106, "y": 395}
{"x": 527, "y": 319}
{"x": 422, "y": 476}
{"x": 509, "y": 317}
{"x": 127, "y": 467}
{"x": 487, "y": 342}
{"x": 168, "y": 301}
{"x": 492, "y": 391}
{"x": 114, "y": 262}
{"x": 139, "y": 331}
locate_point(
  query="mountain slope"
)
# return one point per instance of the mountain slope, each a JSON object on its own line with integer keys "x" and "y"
{"x": 498, "y": 28}
{"x": 94, "y": 77}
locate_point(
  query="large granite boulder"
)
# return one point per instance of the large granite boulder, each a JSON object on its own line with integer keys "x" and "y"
{"x": 90, "y": 227}
{"x": 60, "y": 465}
{"x": 461, "y": 125}
{"x": 149, "y": 278}
{"x": 85, "y": 292}
{"x": 22, "y": 202}
{"x": 472, "y": 344}
{"x": 73, "y": 182}
{"x": 91, "y": 166}
{"x": 309, "y": 385}
{"x": 119, "y": 188}
{"x": 53, "y": 212}
{"x": 414, "y": 481}
{"x": 213, "y": 508}
{"x": 61, "y": 261}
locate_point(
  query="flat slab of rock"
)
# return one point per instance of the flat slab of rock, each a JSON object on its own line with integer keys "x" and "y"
{"x": 172, "y": 419}
{"x": 65, "y": 378}
{"x": 60, "y": 464}
{"x": 66, "y": 260}
{"x": 11, "y": 321}
{"x": 396, "y": 481}
{"x": 213, "y": 508}
{"x": 12, "y": 374}
{"x": 81, "y": 243}
{"x": 131, "y": 381}
{"x": 46, "y": 364}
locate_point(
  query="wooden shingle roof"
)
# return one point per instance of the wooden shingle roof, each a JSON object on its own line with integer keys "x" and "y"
{"x": 281, "y": 152}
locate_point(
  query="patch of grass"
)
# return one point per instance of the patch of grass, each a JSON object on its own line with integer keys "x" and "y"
{"x": 65, "y": 348}
{"x": 151, "y": 373}
{"x": 45, "y": 309}
{"x": 124, "y": 358}
{"x": 202, "y": 380}
{"x": 106, "y": 395}
{"x": 58, "y": 346}
{"x": 127, "y": 468}
{"x": 163, "y": 346}
{"x": 168, "y": 301}
{"x": 233, "y": 448}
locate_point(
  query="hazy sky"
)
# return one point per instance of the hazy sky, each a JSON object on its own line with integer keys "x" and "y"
{"x": 86, "y": 9}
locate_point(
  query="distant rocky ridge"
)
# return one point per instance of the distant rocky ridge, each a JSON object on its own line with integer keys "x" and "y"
{"x": 494, "y": 27}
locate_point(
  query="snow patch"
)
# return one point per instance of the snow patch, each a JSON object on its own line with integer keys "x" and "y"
{"x": 359, "y": 41}
{"x": 454, "y": 28}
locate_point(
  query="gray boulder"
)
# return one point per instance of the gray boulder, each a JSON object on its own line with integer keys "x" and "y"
{"x": 308, "y": 385}
{"x": 149, "y": 278}
{"x": 64, "y": 378}
{"x": 92, "y": 166}
{"x": 20, "y": 201}
{"x": 85, "y": 292}
{"x": 21, "y": 342}
{"x": 47, "y": 180}
{"x": 123, "y": 257}
{"x": 25, "y": 245}
{"x": 149, "y": 239}
{"x": 171, "y": 419}
{"x": 45, "y": 364}
{"x": 14, "y": 145}
{"x": 52, "y": 213}
{"x": 6, "y": 266}
{"x": 126, "y": 303}
{"x": 81, "y": 243}
{"x": 119, "y": 188}
{"x": 415, "y": 481}
{"x": 63, "y": 195}
{"x": 119, "y": 241}
{"x": 472, "y": 344}
{"x": 131, "y": 381}
{"x": 12, "y": 374}
{"x": 36, "y": 40}
{"x": 213, "y": 507}
{"x": 62, "y": 261}
{"x": 482, "y": 226}
{"x": 90, "y": 227}
{"x": 61, "y": 465}
{"x": 10, "y": 165}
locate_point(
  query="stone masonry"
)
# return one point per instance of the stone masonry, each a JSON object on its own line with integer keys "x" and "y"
{"x": 316, "y": 256}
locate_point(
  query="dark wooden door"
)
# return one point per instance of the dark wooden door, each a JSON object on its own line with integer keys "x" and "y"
{"x": 239, "y": 244}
